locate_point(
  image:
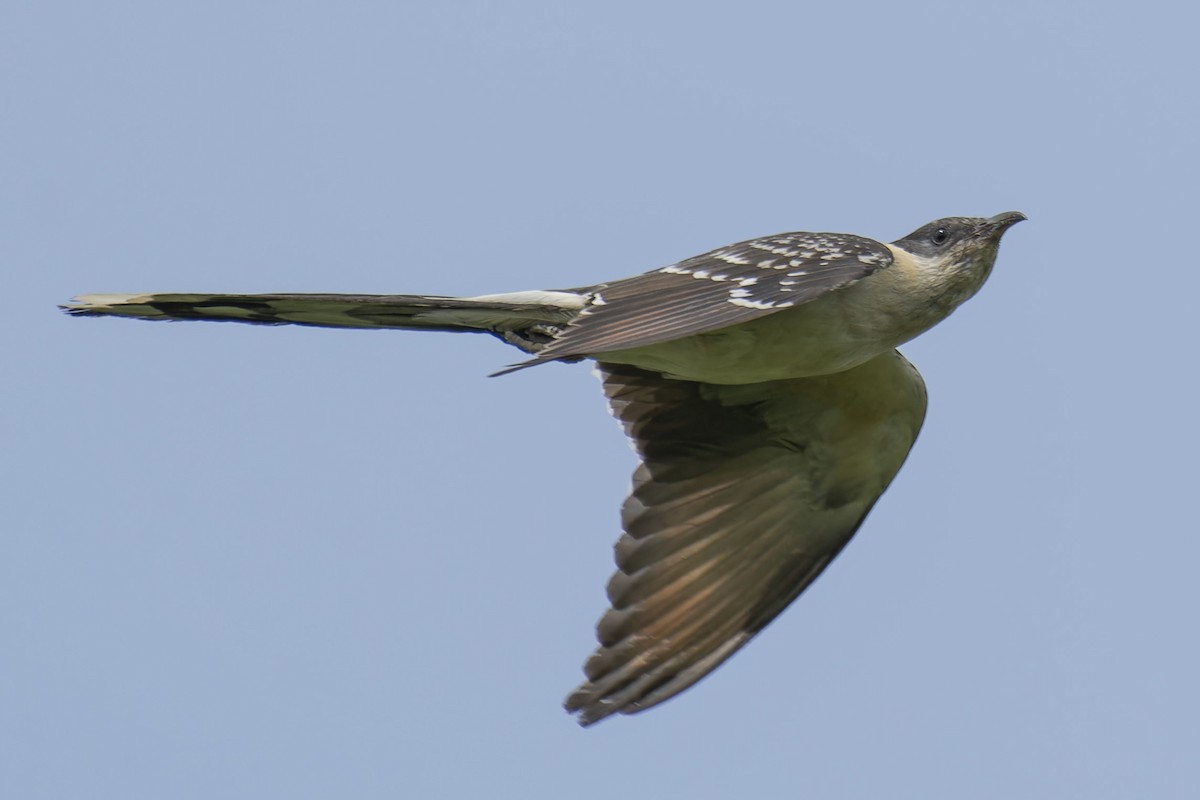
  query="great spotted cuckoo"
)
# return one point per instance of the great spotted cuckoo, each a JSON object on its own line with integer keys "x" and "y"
{"x": 763, "y": 392}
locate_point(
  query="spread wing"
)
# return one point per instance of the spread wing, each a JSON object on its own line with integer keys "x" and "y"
{"x": 724, "y": 287}
{"x": 745, "y": 493}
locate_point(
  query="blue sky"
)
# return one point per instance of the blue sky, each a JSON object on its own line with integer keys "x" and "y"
{"x": 247, "y": 562}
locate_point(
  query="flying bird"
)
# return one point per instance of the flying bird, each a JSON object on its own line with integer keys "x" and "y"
{"x": 762, "y": 389}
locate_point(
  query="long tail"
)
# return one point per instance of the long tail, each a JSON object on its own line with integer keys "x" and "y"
{"x": 525, "y": 319}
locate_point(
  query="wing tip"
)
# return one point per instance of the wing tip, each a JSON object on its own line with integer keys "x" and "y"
{"x": 586, "y": 712}
{"x": 625, "y": 691}
{"x": 511, "y": 368}
{"x": 534, "y": 362}
{"x": 589, "y": 704}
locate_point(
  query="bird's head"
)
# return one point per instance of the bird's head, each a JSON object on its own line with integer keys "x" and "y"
{"x": 959, "y": 238}
{"x": 958, "y": 252}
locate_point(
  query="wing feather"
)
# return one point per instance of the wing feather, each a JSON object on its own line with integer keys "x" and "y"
{"x": 717, "y": 289}
{"x": 744, "y": 495}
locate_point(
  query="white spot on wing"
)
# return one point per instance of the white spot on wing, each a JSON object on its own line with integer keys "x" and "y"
{"x": 759, "y": 304}
{"x": 730, "y": 257}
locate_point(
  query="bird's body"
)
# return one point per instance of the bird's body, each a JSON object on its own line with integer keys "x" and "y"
{"x": 762, "y": 389}
{"x": 827, "y": 335}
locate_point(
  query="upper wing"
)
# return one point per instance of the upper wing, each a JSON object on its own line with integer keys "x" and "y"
{"x": 724, "y": 287}
{"x": 744, "y": 495}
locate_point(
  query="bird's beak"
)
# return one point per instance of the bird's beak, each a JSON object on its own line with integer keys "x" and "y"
{"x": 1002, "y": 222}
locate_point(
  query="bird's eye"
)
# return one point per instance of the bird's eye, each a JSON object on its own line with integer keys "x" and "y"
{"x": 940, "y": 236}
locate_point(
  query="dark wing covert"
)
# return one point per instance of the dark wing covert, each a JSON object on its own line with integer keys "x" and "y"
{"x": 720, "y": 288}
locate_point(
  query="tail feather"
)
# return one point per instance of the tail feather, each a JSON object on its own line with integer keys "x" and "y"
{"x": 508, "y": 315}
